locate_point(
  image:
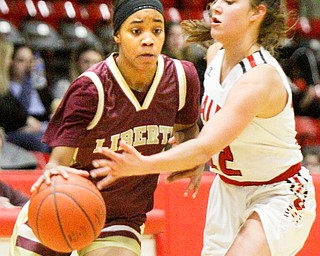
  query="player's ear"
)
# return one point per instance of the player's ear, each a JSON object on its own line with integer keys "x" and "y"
{"x": 117, "y": 38}
{"x": 259, "y": 12}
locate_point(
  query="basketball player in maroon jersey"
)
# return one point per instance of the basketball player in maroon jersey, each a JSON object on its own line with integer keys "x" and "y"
{"x": 137, "y": 95}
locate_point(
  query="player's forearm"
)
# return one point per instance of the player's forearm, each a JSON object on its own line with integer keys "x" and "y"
{"x": 181, "y": 157}
{"x": 60, "y": 156}
{"x": 194, "y": 152}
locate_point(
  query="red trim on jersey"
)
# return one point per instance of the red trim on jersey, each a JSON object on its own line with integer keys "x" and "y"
{"x": 252, "y": 61}
{"x": 209, "y": 110}
{"x": 294, "y": 169}
{"x": 203, "y": 106}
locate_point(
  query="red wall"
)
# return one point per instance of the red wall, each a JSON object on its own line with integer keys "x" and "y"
{"x": 185, "y": 218}
{"x": 183, "y": 221}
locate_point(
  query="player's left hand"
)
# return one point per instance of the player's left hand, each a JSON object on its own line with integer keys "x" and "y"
{"x": 194, "y": 175}
{"x": 129, "y": 162}
{"x": 103, "y": 170}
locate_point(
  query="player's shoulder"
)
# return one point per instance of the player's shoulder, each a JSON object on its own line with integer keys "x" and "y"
{"x": 188, "y": 65}
{"x": 99, "y": 69}
{"x": 170, "y": 61}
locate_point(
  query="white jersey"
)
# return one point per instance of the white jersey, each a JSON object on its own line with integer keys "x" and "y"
{"x": 266, "y": 151}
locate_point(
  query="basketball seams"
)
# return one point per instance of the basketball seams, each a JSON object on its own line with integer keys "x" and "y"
{"x": 72, "y": 185}
{"x": 38, "y": 213}
{"x": 66, "y": 199}
{"x": 58, "y": 215}
{"x": 43, "y": 201}
{"x": 83, "y": 187}
{"x": 81, "y": 208}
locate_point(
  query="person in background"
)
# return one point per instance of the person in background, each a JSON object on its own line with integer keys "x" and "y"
{"x": 138, "y": 95}
{"x": 196, "y": 53}
{"x": 311, "y": 159}
{"x": 12, "y": 118}
{"x": 12, "y": 114}
{"x": 11, "y": 197}
{"x": 82, "y": 58}
{"x": 24, "y": 88}
{"x": 300, "y": 64}
{"x": 262, "y": 201}
{"x": 174, "y": 41}
{"x": 176, "y": 46}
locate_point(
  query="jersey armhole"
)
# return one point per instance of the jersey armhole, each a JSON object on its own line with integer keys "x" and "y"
{"x": 97, "y": 82}
{"x": 182, "y": 83}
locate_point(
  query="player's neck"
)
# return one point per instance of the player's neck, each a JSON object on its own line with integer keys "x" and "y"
{"x": 138, "y": 81}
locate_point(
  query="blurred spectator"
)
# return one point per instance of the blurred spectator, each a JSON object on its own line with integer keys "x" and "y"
{"x": 104, "y": 30}
{"x": 196, "y": 53}
{"x": 10, "y": 197}
{"x": 306, "y": 98}
{"x": 194, "y": 50}
{"x": 25, "y": 81}
{"x": 13, "y": 157}
{"x": 82, "y": 57}
{"x": 300, "y": 64}
{"x": 175, "y": 41}
{"x": 311, "y": 159}
{"x": 12, "y": 115}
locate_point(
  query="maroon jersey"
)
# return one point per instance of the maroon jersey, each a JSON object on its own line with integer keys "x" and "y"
{"x": 143, "y": 120}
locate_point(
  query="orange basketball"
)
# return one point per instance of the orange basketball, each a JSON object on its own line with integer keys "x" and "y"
{"x": 68, "y": 214}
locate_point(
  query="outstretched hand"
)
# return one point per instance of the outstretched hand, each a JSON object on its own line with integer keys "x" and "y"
{"x": 194, "y": 175}
{"x": 128, "y": 163}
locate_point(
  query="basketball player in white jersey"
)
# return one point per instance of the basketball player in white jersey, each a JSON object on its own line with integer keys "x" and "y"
{"x": 262, "y": 201}
{"x": 136, "y": 94}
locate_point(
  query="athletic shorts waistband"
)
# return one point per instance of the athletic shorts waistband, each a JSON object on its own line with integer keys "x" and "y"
{"x": 293, "y": 170}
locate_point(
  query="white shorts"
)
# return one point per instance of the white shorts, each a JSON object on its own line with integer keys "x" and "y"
{"x": 286, "y": 209}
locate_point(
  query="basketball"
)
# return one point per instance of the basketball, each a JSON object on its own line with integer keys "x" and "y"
{"x": 68, "y": 214}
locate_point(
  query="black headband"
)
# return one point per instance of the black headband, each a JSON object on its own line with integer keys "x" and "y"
{"x": 125, "y": 8}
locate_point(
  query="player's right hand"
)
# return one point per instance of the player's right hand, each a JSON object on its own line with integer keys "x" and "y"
{"x": 48, "y": 172}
